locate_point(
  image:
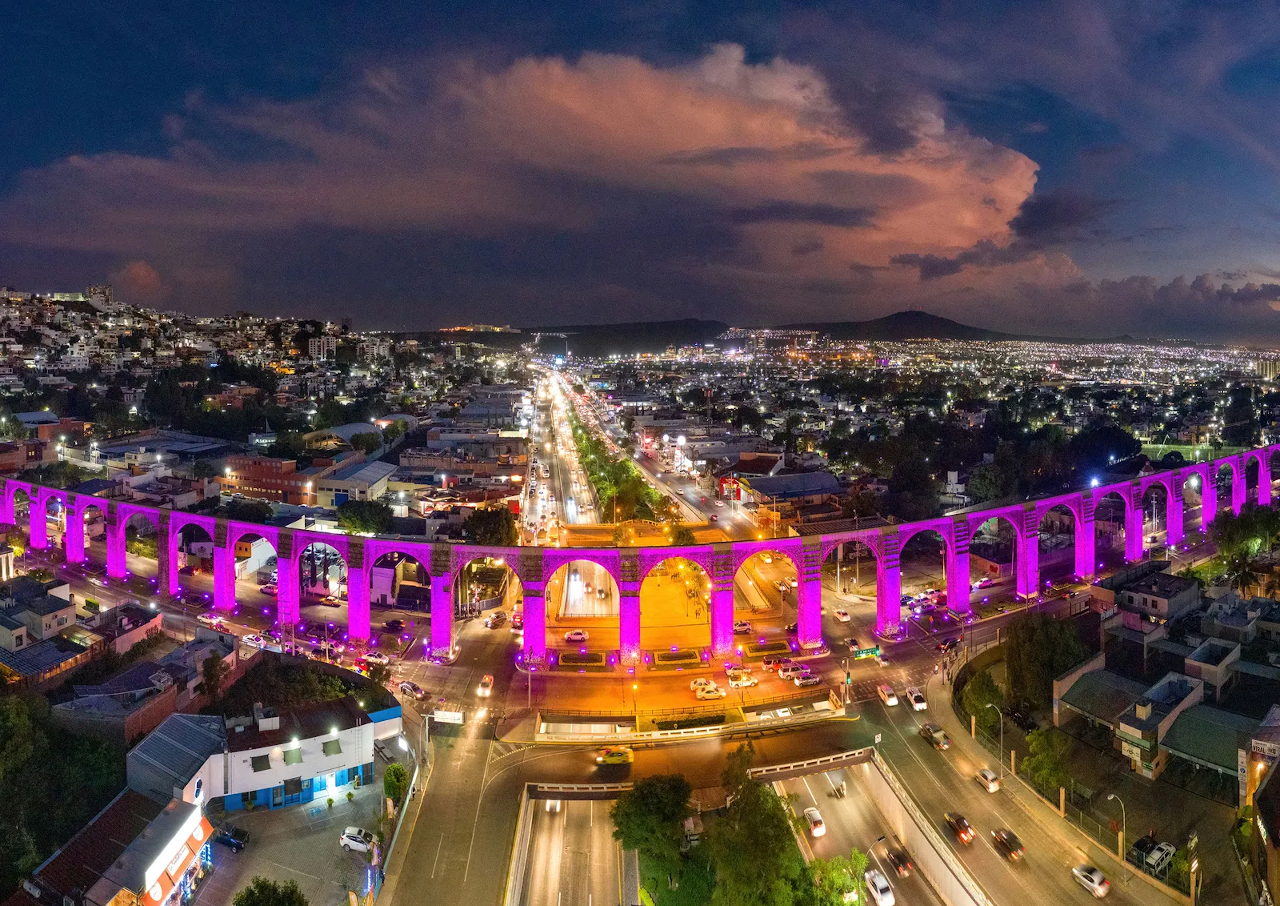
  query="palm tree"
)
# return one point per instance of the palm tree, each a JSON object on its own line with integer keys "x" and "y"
{"x": 1240, "y": 572}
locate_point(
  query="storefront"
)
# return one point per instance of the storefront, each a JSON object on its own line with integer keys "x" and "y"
{"x": 176, "y": 884}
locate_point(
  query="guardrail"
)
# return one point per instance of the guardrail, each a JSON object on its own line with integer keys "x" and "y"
{"x": 763, "y": 704}
{"x": 852, "y": 756}
{"x": 514, "y": 893}
{"x": 692, "y": 732}
{"x": 577, "y": 790}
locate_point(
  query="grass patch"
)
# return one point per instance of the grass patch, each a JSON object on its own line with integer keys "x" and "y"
{"x": 581, "y": 659}
{"x": 696, "y": 881}
{"x": 689, "y": 723}
{"x": 671, "y": 657}
{"x": 769, "y": 648}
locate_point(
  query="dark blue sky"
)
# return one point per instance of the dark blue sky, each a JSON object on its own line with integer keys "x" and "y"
{"x": 1084, "y": 168}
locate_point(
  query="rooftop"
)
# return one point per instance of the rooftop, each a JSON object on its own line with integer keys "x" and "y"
{"x": 300, "y": 723}
{"x": 367, "y": 472}
{"x": 1210, "y": 736}
{"x": 1158, "y": 585}
{"x": 1103, "y": 695}
{"x": 180, "y": 746}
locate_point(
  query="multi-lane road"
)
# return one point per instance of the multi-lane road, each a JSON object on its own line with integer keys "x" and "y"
{"x": 573, "y": 858}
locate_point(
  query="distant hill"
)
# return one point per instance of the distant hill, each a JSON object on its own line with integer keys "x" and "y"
{"x": 904, "y": 325}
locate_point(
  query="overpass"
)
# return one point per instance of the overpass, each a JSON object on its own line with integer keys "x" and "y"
{"x": 444, "y": 562}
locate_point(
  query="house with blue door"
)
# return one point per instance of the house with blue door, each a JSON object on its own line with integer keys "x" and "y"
{"x": 270, "y": 759}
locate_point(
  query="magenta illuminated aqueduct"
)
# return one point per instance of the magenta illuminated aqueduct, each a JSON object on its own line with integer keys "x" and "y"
{"x": 629, "y": 566}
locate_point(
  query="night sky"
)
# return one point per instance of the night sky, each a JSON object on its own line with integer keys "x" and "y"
{"x": 1071, "y": 168}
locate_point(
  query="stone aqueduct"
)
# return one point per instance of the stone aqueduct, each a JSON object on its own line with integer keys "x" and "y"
{"x": 629, "y": 566}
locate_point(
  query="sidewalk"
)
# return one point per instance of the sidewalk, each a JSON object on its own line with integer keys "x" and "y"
{"x": 395, "y": 865}
{"x": 1046, "y": 817}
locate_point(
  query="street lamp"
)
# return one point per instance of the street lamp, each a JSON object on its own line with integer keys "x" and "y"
{"x": 635, "y": 700}
{"x": 1124, "y": 823}
{"x": 1001, "y": 713}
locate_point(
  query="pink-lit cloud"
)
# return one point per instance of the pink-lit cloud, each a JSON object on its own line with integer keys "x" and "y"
{"x": 139, "y": 283}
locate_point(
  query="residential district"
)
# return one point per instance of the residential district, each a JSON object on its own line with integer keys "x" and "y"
{"x": 913, "y": 621}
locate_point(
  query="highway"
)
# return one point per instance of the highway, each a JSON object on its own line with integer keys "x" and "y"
{"x": 573, "y": 858}
{"x": 854, "y": 822}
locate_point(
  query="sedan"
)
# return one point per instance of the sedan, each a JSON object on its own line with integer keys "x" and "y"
{"x": 900, "y": 861}
{"x": 878, "y": 887}
{"x": 817, "y": 827}
{"x": 741, "y": 627}
{"x": 842, "y": 615}
{"x": 253, "y": 641}
{"x": 410, "y": 688}
{"x": 947, "y": 644}
{"x": 376, "y": 657}
{"x": 702, "y": 682}
{"x": 1007, "y": 842}
{"x": 960, "y": 826}
{"x": 576, "y": 635}
{"x": 807, "y": 679}
{"x": 1092, "y": 880}
{"x": 485, "y": 689}
{"x": 706, "y": 693}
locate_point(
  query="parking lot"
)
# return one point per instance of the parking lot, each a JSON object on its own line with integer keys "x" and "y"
{"x": 299, "y": 843}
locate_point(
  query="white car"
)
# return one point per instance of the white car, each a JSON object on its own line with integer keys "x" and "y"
{"x": 916, "y": 697}
{"x": 878, "y": 887}
{"x": 209, "y": 619}
{"x": 842, "y": 616}
{"x": 705, "y": 693}
{"x": 576, "y": 635}
{"x": 741, "y": 627}
{"x": 988, "y": 780}
{"x": 356, "y": 839}
{"x": 702, "y": 682}
{"x": 376, "y": 657}
{"x": 1092, "y": 880}
{"x": 740, "y": 679}
{"x": 816, "y": 826}
{"x": 253, "y": 641}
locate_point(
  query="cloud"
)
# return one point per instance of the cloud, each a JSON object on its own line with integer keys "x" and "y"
{"x": 756, "y": 160}
{"x": 139, "y": 283}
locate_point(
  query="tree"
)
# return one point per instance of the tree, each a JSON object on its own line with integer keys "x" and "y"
{"x": 202, "y": 468}
{"x": 492, "y": 525}
{"x": 650, "y": 818}
{"x": 369, "y": 516}
{"x": 756, "y": 859}
{"x": 262, "y": 892}
{"x": 214, "y": 671}
{"x": 1046, "y": 763}
{"x": 1240, "y": 572}
{"x": 683, "y": 536}
{"x": 367, "y": 442}
{"x": 838, "y": 876}
{"x": 258, "y": 511}
{"x": 379, "y": 675}
{"x": 1039, "y": 650}
{"x": 980, "y": 691}
{"x": 395, "y": 782}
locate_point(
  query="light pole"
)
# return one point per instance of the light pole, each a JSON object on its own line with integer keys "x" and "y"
{"x": 1001, "y": 713}
{"x": 635, "y": 701}
{"x": 1124, "y": 824}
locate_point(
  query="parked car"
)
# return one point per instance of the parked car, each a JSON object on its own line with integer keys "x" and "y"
{"x": 1092, "y": 880}
{"x": 576, "y": 635}
{"x": 817, "y": 827}
{"x": 960, "y": 826}
{"x": 232, "y": 837}
{"x": 1023, "y": 721}
{"x": 410, "y": 688}
{"x": 1007, "y": 842}
{"x": 356, "y": 839}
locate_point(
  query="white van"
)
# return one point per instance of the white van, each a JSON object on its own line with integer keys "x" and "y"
{"x": 886, "y": 693}
{"x": 791, "y": 671}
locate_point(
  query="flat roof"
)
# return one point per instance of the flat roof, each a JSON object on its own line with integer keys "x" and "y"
{"x": 369, "y": 472}
{"x": 1211, "y": 737}
{"x": 180, "y": 745}
{"x": 1103, "y": 695}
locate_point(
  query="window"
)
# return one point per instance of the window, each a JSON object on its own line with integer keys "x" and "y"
{"x": 261, "y": 763}
{"x": 333, "y": 747}
{"x": 293, "y": 756}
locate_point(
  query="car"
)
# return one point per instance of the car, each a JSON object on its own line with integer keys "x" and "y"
{"x": 719, "y": 503}
{"x": 705, "y": 693}
{"x": 960, "y": 826}
{"x": 356, "y": 839}
{"x": 615, "y": 755}
{"x": 1160, "y": 857}
{"x": 807, "y": 679}
{"x": 774, "y": 661}
{"x": 269, "y": 590}
{"x": 887, "y": 695}
{"x": 842, "y": 615}
{"x": 485, "y": 689}
{"x": 853, "y": 643}
{"x": 792, "y": 670}
{"x": 741, "y": 627}
{"x": 517, "y": 622}
{"x": 917, "y": 699}
{"x": 988, "y": 780}
{"x": 576, "y": 635}
{"x": 495, "y": 619}
{"x": 766, "y": 558}
{"x": 878, "y": 887}
{"x": 1023, "y": 721}
{"x": 253, "y": 641}
{"x": 393, "y": 625}
{"x": 410, "y": 688}
{"x": 817, "y": 827}
{"x": 209, "y": 619}
{"x": 986, "y": 583}
{"x": 899, "y": 859}
{"x": 232, "y": 837}
{"x": 741, "y": 680}
{"x": 330, "y": 600}
{"x": 793, "y": 628}
{"x": 936, "y": 736}
{"x": 702, "y": 682}
{"x": 1007, "y": 842}
{"x": 947, "y": 644}
{"x": 376, "y": 657}
{"x": 1092, "y": 880}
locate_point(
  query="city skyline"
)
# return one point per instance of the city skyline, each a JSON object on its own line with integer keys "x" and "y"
{"x": 1071, "y": 172}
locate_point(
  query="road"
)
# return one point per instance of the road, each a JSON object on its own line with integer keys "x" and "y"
{"x": 853, "y": 822}
{"x": 573, "y": 858}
